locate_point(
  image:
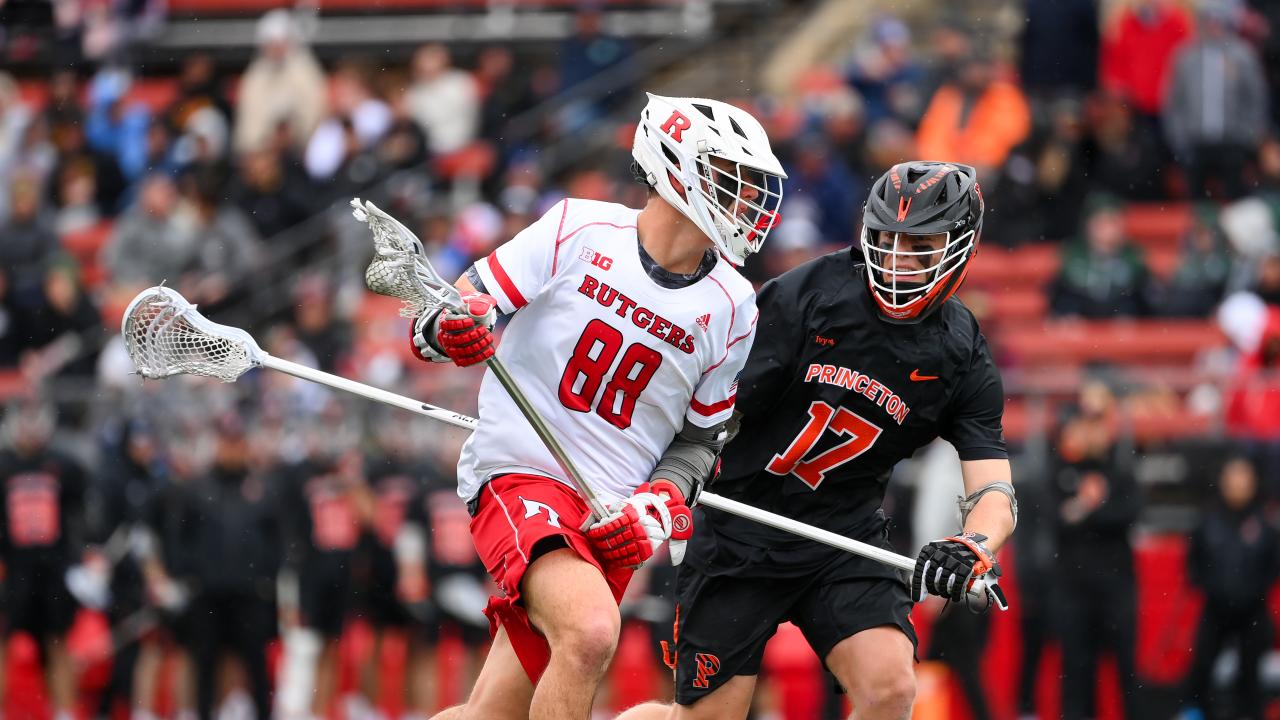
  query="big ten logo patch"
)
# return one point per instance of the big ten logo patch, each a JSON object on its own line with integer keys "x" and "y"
{"x": 601, "y": 261}
{"x": 705, "y": 665}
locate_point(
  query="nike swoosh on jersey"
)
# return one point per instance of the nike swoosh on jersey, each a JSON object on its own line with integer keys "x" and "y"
{"x": 917, "y": 377}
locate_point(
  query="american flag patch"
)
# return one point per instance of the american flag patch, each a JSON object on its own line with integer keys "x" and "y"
{"x": 703, "y": 321}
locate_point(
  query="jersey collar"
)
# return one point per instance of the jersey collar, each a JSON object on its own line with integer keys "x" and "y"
{"x": 675, "y": 281}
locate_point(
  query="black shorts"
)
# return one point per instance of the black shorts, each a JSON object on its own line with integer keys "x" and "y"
{"x": 37, "y": 600}
{"x": 724, "y": 617}
{"x": 325, "y": 598}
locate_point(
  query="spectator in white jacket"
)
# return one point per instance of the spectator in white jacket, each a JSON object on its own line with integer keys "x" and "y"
{"x": 284, "y": 84}
{"x": 443, "y": 100}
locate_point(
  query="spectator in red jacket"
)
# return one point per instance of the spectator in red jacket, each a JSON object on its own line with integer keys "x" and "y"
{"x": 1138, "y": 49}
{"x": 1253, "y": 411}
{"x": 1253, "y": 406}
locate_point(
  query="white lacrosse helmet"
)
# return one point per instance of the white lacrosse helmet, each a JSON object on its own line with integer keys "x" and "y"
{"x": 735, "y": 202}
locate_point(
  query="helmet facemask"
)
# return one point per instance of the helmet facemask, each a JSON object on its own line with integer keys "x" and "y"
{"x": 906, "y": 270}
{"x": 742, "y": 202}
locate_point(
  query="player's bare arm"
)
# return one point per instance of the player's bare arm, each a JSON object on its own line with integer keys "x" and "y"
{"x": 993, "y": 513}
{"x": 949, "y": 566}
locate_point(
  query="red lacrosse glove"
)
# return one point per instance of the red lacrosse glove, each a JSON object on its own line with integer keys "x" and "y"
{"x": 639, "y": 525}
{"x": 468, "y": 338}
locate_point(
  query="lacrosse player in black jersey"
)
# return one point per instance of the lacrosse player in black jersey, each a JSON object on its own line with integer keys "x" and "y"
{"x": 42, "y": 534}
{"x": 860, "y": 359}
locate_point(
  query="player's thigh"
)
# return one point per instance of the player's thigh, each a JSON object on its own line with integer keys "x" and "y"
{"x": 730, "y": 701}
{"x": 502, "y": 690}
{"x": 862, "y": 630}
{"x": 722, "y": 626}
{"x": 569, "y": 601}
{"x": 875, "y": 664}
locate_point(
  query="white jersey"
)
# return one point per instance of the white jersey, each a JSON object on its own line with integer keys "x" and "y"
{"x": 613, "y": 361}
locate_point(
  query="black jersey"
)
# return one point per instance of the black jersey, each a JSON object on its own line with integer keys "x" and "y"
{"x": 832, "y": 397}
{"x": 395, "y": 485}
{"x": 42, "y": 518}
{"x": 324, "y": 522}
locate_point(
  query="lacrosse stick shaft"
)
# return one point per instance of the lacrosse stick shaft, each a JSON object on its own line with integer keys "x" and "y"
{"x": 826, "y": 537}
{"x": 368, "y": 391}
{"x": 548, "y": 438}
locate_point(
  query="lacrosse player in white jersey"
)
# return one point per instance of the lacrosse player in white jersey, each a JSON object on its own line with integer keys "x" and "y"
{"x": 629, "y": 329}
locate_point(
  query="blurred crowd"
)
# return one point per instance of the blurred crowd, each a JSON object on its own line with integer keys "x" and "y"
{"x": 200, "y": 517}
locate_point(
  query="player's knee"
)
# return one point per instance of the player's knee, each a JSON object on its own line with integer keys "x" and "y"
{"x": 890, "y": 694}
{"x": 588, "y": 641}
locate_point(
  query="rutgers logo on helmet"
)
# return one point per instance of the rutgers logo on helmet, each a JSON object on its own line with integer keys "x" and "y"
{"x": 712, "y": 162}
{"x": 920, "y": 227}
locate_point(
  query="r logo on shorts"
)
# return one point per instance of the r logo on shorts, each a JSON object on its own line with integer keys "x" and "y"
{"x": 532, "y": 508}
{"x": 707, "y": 665}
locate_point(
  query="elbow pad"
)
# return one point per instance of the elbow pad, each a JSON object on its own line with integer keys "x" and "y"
{"x": 691, "y": 458}
{"x": 967, "y": 503}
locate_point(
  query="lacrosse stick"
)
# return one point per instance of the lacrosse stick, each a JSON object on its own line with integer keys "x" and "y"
{"x": 165, "y": 335}
{"x": 400, "y": 269}
{"x": 983, "y": 589}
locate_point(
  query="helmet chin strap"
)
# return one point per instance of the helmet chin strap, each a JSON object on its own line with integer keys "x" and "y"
{"x": 904, "y": 292}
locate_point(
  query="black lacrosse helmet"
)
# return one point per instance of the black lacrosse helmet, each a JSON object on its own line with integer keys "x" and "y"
{"x": 920, "y": 198}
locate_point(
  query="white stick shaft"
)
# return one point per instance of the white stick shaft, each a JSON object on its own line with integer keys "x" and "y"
{"x": 826, "y": 537}
{"x": 368, "y": 391}
{"x": 544, "y": 432}
{"x": 795, "y": 527}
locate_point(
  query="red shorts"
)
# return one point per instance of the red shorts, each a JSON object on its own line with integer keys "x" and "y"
{"x": 514, "y": 513}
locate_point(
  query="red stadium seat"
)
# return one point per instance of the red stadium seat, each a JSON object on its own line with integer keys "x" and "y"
{"x": 1031, "y": 266}
{"x": 1014, "y": 306}
{"x": 1067, "y": 343}
{"x": 1157, "y": 225}
{"x": 156, "y": 93}
{"x": 1017, "y": 419}
{"x": 476, "y": 160}
{"x": 11, "y": 383}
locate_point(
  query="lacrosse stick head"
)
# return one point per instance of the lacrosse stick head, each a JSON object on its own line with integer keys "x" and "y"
{"x": 400, "y": 267}
{"x": 165, "y": 335}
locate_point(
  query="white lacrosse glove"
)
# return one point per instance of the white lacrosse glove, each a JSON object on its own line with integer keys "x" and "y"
{"x": 637, "y": 526}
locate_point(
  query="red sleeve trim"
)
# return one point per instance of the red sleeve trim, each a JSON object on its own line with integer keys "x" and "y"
{"x": 504, "y": 281}
{"x": 733, "y": 342}
{"x": 713, "y": 408}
